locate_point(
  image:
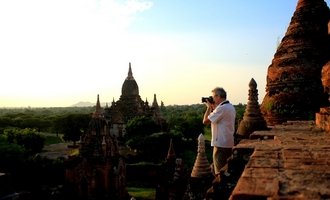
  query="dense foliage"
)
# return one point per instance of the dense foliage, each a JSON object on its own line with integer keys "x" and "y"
{"x": 184, "y": 123}
{"x": 11, "y": 154}
{"x": 28, "y": 138}
{"x": 41, "y": 119}
{"x": 72, "y": 126}
{"x": 185, "y": 119}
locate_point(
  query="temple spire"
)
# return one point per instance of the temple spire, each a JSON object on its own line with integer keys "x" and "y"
{"x": 130, "y": 74}
{"x": 98, "y": 109}
{"x": 147, "y": 103}
{"x": 171, "y": 153}
{"x": 155, "y": 103}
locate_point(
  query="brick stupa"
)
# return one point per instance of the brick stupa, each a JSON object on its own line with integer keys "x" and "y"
{"x": 202, "y": 166}
{"x": 294, "y": 89}
{"x": 252, "y": 119}
{"x": 201, "y": 174}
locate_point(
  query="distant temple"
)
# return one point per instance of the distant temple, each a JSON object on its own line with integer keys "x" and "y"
{"x": 130, "y": 105}
{"x": 99, "y": 172}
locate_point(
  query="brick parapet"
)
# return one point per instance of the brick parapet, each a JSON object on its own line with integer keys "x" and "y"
{"x": 288, "y": 162}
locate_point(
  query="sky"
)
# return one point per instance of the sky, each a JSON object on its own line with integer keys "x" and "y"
{"x": 55, "y": 53}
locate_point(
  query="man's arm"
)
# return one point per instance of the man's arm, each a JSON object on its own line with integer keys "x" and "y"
{"x": 206, "y": 114}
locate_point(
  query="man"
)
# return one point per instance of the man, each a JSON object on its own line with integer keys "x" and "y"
{"x": 221, "y": 115}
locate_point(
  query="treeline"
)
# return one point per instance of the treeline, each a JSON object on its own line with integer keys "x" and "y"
{"x": 42, "y": 119}
{"x": 182, "y": 122}
{"x": 48, "y": 119}
{"x": 25, "y": 131}
{"x": 22, "y": 137}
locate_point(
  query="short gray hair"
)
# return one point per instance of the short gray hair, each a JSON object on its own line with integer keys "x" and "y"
{"x": 220, "y": 92}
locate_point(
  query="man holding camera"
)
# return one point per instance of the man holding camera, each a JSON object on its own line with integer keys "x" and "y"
{"x": 221, "y": 115}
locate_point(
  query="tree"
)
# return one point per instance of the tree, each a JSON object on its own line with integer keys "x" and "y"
{"x": 192, "y": 126}
{"x": 240, "y": 109}
{"x": 141, "y": 126}
{"x": 11, "y": 154}
{"x": 27, "y": 138}
{"x": 73, "y": 125}
{"x": 138, "y": 130}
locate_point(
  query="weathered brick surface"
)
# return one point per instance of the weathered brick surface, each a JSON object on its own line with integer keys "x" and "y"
{"x": 294, "y": 164}
{"x": 255, "y": 187}
{"x": 270, "y": 173}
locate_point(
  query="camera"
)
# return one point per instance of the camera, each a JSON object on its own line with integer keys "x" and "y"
{"x": 210, "y": 99}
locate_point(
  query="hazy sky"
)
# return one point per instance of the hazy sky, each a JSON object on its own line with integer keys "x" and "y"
{"x": 59, "y": 52}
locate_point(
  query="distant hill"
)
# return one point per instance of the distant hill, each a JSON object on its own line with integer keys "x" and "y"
{"x": 86, "y": 104}
{"x": 83, "y": 104}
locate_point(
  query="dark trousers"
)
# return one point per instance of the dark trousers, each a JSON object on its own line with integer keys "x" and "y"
{"x": 220, "y": 156}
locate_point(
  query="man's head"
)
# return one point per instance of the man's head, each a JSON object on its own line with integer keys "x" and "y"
{"x": 219, "y": 95}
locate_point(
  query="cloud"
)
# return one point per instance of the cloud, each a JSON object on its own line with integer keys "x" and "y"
{"x": 134, "y": 6}
{"x": 121, "y": 14}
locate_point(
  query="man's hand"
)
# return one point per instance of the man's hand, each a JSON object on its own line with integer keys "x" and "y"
{"x": 209, "y": 105}
{"x": 207, "y": 112}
